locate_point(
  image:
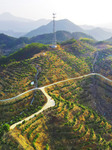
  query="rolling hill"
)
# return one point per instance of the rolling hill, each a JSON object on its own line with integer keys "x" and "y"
{"x": 60, "y": 37}
{"x": 9, "y": 44}
{"x": 81, "y": 117}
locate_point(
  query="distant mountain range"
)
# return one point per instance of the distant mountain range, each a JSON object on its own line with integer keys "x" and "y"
{"x": 87, "y": 27}
{"x": 97, "y": 33}
{"x": 109, "y": 40}
{"x": 16, "y": 26}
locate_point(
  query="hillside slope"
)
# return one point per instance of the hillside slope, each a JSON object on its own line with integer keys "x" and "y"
{"x": 81, "y": 118}
{"x": 54, "y": 65}
{"x": 68, "y": 125}
{"x": 10, "y": 44}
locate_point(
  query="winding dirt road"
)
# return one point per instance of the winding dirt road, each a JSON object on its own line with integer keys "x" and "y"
{"x": 50, "y": 101}
{"x": 80, "y": 77}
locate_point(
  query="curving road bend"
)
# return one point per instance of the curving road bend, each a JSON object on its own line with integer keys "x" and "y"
{"x": 50, "y": 101}
{"x": 9, "y": 99}
{"x": 80, "y": 77}
{"x": 87, "y": 75}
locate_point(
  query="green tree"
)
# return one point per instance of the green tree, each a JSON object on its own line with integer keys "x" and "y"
{"x": 47, "y": 147}
{"x": 6, "y": 127}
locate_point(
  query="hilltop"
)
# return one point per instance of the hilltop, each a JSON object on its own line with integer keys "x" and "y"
{"x": 64, "y": 24}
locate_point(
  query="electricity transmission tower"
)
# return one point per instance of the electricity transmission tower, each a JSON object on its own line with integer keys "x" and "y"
{"x": 54, "y": 45}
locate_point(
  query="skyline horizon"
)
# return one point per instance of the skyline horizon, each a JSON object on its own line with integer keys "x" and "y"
{"x": 31, "y": 19}
{"x": 80, "y": 12}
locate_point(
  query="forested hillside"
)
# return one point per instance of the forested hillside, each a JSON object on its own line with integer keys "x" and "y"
{"x": 81, "y": 117}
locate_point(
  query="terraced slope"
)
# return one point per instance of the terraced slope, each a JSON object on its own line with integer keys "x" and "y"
{"x": 52, "y": 66}
{"x": 60, "y": 65}
{"x": 76, "y": 121}
{"x": 68, "y": 125}
{"x": 16, "y": 78}
{"x": 93, "y": 92}
{"x": 104, "y": 63}
{"x": 15, "y": 110}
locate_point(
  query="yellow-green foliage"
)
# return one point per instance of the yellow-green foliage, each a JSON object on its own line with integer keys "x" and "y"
{"x": 15, "y": 78}
{"x": 58, "y": 65}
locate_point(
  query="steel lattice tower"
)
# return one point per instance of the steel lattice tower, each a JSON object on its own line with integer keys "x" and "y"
{"x": 54, "y": 31}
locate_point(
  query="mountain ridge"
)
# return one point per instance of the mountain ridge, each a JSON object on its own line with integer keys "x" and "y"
{"x": 64, "y": 24}
{"x": 18, "y": 24}
{"x": 9, "y": 44}
{"x": 97, "y": 32}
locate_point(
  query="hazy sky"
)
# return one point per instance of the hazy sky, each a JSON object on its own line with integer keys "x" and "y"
{"x": 79, "y": 11}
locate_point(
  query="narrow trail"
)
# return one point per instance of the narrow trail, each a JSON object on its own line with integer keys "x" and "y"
{"x": 39, "y": 88}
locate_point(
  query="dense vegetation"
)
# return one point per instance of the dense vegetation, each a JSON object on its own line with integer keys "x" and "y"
{"x": 60, "y": 65}
{"x": 71, "y": 124}
{"x": 19, "y": 108}
{"x": 92, "y": 92}
{"x": 53, "y": 65}
{"x": 60, "y": 36}
{"x": 79, "y": 118}
{"x": 9, "y": 44}
{"x": 27, "y": 52}
{"x": 16, "y": 78}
